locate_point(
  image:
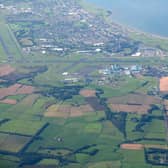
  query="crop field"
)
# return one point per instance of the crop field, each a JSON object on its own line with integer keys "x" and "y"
{"x": 138, "y": 161}
{"x": 123, "y": 88}
{"x": 105, "y": 164}
{"x": 132, "y": 146}
{"x": 140, "y": 109}
{"x": 12, "y": 143}
{"x": 8, "y": 101}
{"x": 21, "y": 127}
{"x": 63, "y": 110}
{"x": 17, "y": 111}
{"x": 81, "y": 129}
{"x": 164, "y": 84}
{"x": 16, "y": 89}
{"x": 134, "y": 99}
{"x": 6, "y": 70}
{"x": 155, "y": 129}
{"x": 88, "y": 93}
{"x": 94, "y": 103}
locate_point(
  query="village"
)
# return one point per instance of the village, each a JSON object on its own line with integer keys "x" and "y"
{"x": 70, "y": 31}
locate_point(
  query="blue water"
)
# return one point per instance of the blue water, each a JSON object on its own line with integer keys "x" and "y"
{"x": 145, "y": 15}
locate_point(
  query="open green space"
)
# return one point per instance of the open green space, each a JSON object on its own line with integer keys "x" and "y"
{"x": 21, "y": 127}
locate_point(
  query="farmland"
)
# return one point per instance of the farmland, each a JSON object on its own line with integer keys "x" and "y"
{"x": 13, "y": 143}
{"x": 65, "y": 104}
{"x": 163, "y": 84}
{"x": 6, "y": 69}
{"x": 61, "y": 110}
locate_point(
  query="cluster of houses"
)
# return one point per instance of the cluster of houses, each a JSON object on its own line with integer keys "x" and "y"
{"x": 146, "y": 51}
{"x": 16, "y": 10}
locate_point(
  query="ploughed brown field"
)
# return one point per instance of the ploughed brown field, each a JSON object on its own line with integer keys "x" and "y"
{"x": 63, "y": 110}
{"x": 140, "y": 109}
{"x": 88, "y": 93}
{"x": 6, "y": 70}
{"x": 141, "y": 146}
{"x": 8, "y": 101}
{"x": 24, "y": 89}
{"x": 16, "y": 89}
{"x": 135, "y": 99}
{"x": 132, "y": 146}
{"x": 164, "y": 84}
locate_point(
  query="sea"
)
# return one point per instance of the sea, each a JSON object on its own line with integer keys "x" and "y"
{"x": 149, "y": 16}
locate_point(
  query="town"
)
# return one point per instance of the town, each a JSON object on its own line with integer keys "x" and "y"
{"x": 55, "y": 29}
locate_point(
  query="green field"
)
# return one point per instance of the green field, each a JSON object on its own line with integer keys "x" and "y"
{"x": 21, "y": 127}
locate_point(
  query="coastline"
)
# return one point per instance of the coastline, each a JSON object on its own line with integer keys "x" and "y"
{"x": 128, "y": 28}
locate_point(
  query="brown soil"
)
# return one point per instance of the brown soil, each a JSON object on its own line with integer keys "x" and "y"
{"x": 60, "y": 110}
{"x": 135, "y": 99}
{"x": 25, "y": 90}
{"x": 16, "y": 89}
{"x": 141, "y": 109}
{"x": 88, "y": 93}
{"x": 164, "y": 84}
{"x": 9, "y": 91}
{"x": 132, "y": 146}
{"x": 8, "y": 101}
{"x": 6, "y": 70}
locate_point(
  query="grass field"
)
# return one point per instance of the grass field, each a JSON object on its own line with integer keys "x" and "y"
{"x": 21, "y": 127}
{"x": 138, "y": 161}
{"x": 106, "y": 164}
{"x": 125, "y": 87}
{"x": 155, "y": 129}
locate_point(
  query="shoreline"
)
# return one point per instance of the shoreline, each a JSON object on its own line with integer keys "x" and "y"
{"x": 128, "y": 28}
{"x": 138, "y": 31}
